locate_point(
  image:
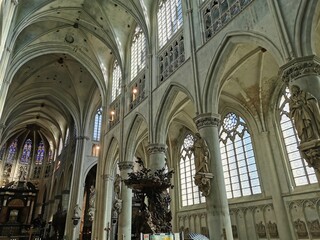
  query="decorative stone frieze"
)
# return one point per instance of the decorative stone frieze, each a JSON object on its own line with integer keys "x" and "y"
{"x": 154, "y": 148}
{"x": 207, "y": 120}
{"x": 300, "y": 67}
{"x": 125, "y": 165}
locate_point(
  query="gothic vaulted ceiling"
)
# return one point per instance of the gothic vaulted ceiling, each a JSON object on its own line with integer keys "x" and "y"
{"x": 61, "y": 54}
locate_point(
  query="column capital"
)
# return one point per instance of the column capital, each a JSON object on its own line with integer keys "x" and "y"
{"x": 82, "y": 138}
{"x": 300, "y": 67}
{"x": 207, "y": 120}
{"x": 107, "y": 177}
{"x": 125, "y": 165}
{"x": 154, "y": 148}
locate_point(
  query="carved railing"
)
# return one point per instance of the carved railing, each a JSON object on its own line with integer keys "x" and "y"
{"x": 114, "y": 113}
{"x": 217, "y": 14}
{"x": 137, "y": 90}
{"x": 171, "y": 56}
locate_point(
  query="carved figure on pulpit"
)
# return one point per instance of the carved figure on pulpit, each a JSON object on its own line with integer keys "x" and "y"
{"x": 22, "y": 173}
{"x": 305, "y": 112}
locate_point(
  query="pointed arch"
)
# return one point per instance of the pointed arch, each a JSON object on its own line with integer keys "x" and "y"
{"x": 133, "y": 135}
{"x": 162, "y": 119}
{"x": 305, "y": 26}
{"x": 211, "y": 89}
{"x": 112, "y": 154}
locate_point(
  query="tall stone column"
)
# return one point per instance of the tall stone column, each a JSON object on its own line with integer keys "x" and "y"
{"x": 125, "y": 217}
{"x": 104, "y": 216}
{"x": 302, "y": 76}
{"x": 157, "y": 155}
{"x": 72, "y": 230}
{"x": 218, "y": 216}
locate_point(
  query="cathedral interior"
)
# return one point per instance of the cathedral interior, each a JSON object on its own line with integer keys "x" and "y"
{"x": 215, "y": 101}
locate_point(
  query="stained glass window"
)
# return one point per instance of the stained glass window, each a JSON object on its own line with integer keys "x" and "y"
{"x": 238, "y": 160}
{"x": 26, "y": 152}
{"x": 302, "y": 174}
{"x": 97, "y": 125}
{"x": 169, "y": 19}
{"x": 40, "y": 153}
{"x": 116, "y": 81}
{"x": 138, "y": 52}
{"x": 190, "y": 193}
{"x": 12, "y": 151}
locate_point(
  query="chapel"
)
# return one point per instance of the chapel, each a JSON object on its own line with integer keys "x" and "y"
{"x": 120, "y": 118}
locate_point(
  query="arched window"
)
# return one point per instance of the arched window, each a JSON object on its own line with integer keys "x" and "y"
{"x": 302, "y": 174}
{"x": 97, "y": 125}
{"x": 116, "y": 81}
{"x": 239, "y": 165}
{"x": 26, "y": 152}
{"x": 190, "y": 193}
{"x": 12, "y": 151}
{"x": 40, "y": 153}
{"x": 169, "y": 19}
{"x": 138, "y": 52}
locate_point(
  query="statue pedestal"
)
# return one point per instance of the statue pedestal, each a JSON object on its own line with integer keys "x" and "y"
{"x": 202, "y": 180}
{"x": 310, "y": 151}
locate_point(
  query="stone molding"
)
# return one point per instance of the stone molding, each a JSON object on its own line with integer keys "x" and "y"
{"x": 155, "y": 148}
{"x": 207, "y": 120}
{"x": 299, "y": 67}
{"x": 125, "y": 165}
{"x": 2, "y": 125}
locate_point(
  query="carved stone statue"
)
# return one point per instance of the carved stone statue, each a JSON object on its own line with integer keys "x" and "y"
{"x": 22, "y": 173}
{"x": 201, "y": 156}
{"x": 304, "y": 110}
{"x": 92, "y": 199}
{"x": 76, "y": 211}
{"x": 117, "y": 187}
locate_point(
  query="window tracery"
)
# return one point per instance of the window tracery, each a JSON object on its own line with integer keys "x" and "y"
{"x": 97, "y": 125}
{"x": 238, "y": 160}
{"x": 302, "y": 174}
{"x": 138, "y": 52}
{"x": 169, "y": 19}
{"x": 116, "y": 81}
{"x": 190, "y": 193}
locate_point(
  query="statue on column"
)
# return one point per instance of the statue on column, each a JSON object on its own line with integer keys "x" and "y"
{"x": 304, "y": 110}
{"x": 201, "y": 158}
{"x": 92, "y": 199}
{"x": 117, "y": 205}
